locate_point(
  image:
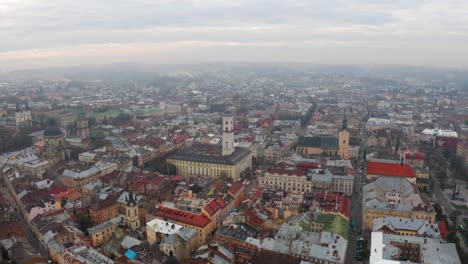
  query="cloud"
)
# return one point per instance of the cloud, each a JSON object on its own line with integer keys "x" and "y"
{"x": 68, "y": 31}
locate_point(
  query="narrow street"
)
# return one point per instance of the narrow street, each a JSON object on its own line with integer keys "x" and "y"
{"x": 35, "y": 243}
{"x": 356, "y": 203}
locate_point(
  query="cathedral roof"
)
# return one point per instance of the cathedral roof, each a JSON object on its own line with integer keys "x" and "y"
{"x": 52, "y": 130}
{"x": 325, "y": 142}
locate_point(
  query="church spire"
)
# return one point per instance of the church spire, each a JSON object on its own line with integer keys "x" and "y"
{"x": 344, "y": 123}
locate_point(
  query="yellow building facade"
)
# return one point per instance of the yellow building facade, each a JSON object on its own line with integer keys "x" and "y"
{"x": 212, "y": 166}
{"x": 370, "y": 214}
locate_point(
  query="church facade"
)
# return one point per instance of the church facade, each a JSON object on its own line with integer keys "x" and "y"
{"x": 326, "y": 145}
{"x": 23, "y": 116}
{"x": 55, "y": 147}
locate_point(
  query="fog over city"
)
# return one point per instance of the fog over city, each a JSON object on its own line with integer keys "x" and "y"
{"x": 42, "y": 34}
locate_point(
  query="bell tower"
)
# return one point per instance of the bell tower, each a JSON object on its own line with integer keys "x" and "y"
{"x": 228, "y": 134}
{"x": 131, "y": 211}
{"x": 82, "y": 128}
{"x": 343, "y": 138}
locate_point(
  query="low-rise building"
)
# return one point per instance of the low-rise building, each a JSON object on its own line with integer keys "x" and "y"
{"x": 157, "y": 230}
{"x": 300, "y": 181}
{"x": 242, "y": 238}
{"x": 102, "y": 232}
{"x": 462, "y": 150}
{"x": 422, "y": 178}
{"x": 37, "y": 203}
{"x": 179, "y": 240}
{"x": 392, "y": 196}
{"x": 199, "y": 222}
{"x": 376, "y": 169}
{"x": 296, "y": 239}
{"x": 82, "y": 254}
{"x": 394, "y": 249}
{"x": 406, "y": 226}
{"x": 415, "y": 159}
{"x": 334, "y": 223}
{"x": 105, "y": 208}
{"x": 214, "y": 253}
{"x": 87, "y": 157}
{"x": 76, "y": 178}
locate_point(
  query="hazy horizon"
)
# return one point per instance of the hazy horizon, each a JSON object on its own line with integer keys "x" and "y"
{"x": 38, "y": 34}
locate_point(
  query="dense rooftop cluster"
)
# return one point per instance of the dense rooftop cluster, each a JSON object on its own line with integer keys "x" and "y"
{"x": 233, "y": 166}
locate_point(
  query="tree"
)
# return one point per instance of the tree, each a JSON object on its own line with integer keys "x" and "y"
{"x": 122, "y": 118}
{"x": 448, "y": 154}
{"x": 4, "y": 253}
{"x": 171, "y": 169}
{"x": 455, "y": 214}
{"x": 458, "y": 167}
{"x": 84, "y": 221}
{"x": 92, "y": 121}
{"x": 439, "y": 213}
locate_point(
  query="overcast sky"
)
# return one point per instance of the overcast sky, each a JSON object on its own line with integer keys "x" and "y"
{"x": 45, "y": 33}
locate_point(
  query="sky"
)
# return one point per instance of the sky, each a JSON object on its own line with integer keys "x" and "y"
{"x": 52, "y": 33}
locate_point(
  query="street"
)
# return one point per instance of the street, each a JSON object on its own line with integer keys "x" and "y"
{"x": 356, "y": 203}
{"x": 35, "y": 243}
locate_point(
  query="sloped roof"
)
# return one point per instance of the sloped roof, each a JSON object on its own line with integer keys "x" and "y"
{"x": 390, "y": 169}
{"x": 329, "y": 143}
{"x": 198, "y": 220}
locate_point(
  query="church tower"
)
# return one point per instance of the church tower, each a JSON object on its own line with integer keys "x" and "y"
{"x": 23, "y": 116}
{"x": 343, "y": 138}
{"x": 131, "y": 211}
{"x": 228, "y": 134}
{"x": 82, "y": 128}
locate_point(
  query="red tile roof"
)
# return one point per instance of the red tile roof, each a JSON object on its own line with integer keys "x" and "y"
{"x": 390, "y": 169}
{"x": 212, "y": 207}
{"x": 11, "y": 228}
{"x": 71, "y": 194}
{"x": 148, "y": 181}
{"x": 176, "y": 178}
{"x": 308, "y": 165}
{"x": 110, "y": 176}
{"x": 235, "y": 188}
{"x": 57, "y": 189}
{"x": 253, "y": 219}
{"x": 35, "y": 196}
{"x": 443, "y": 230}
{"x": 221, "y": 202}
{"x": 188, "y": 218}
{"x": 334, "y": 203}
{"x": 417, "y": 155}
